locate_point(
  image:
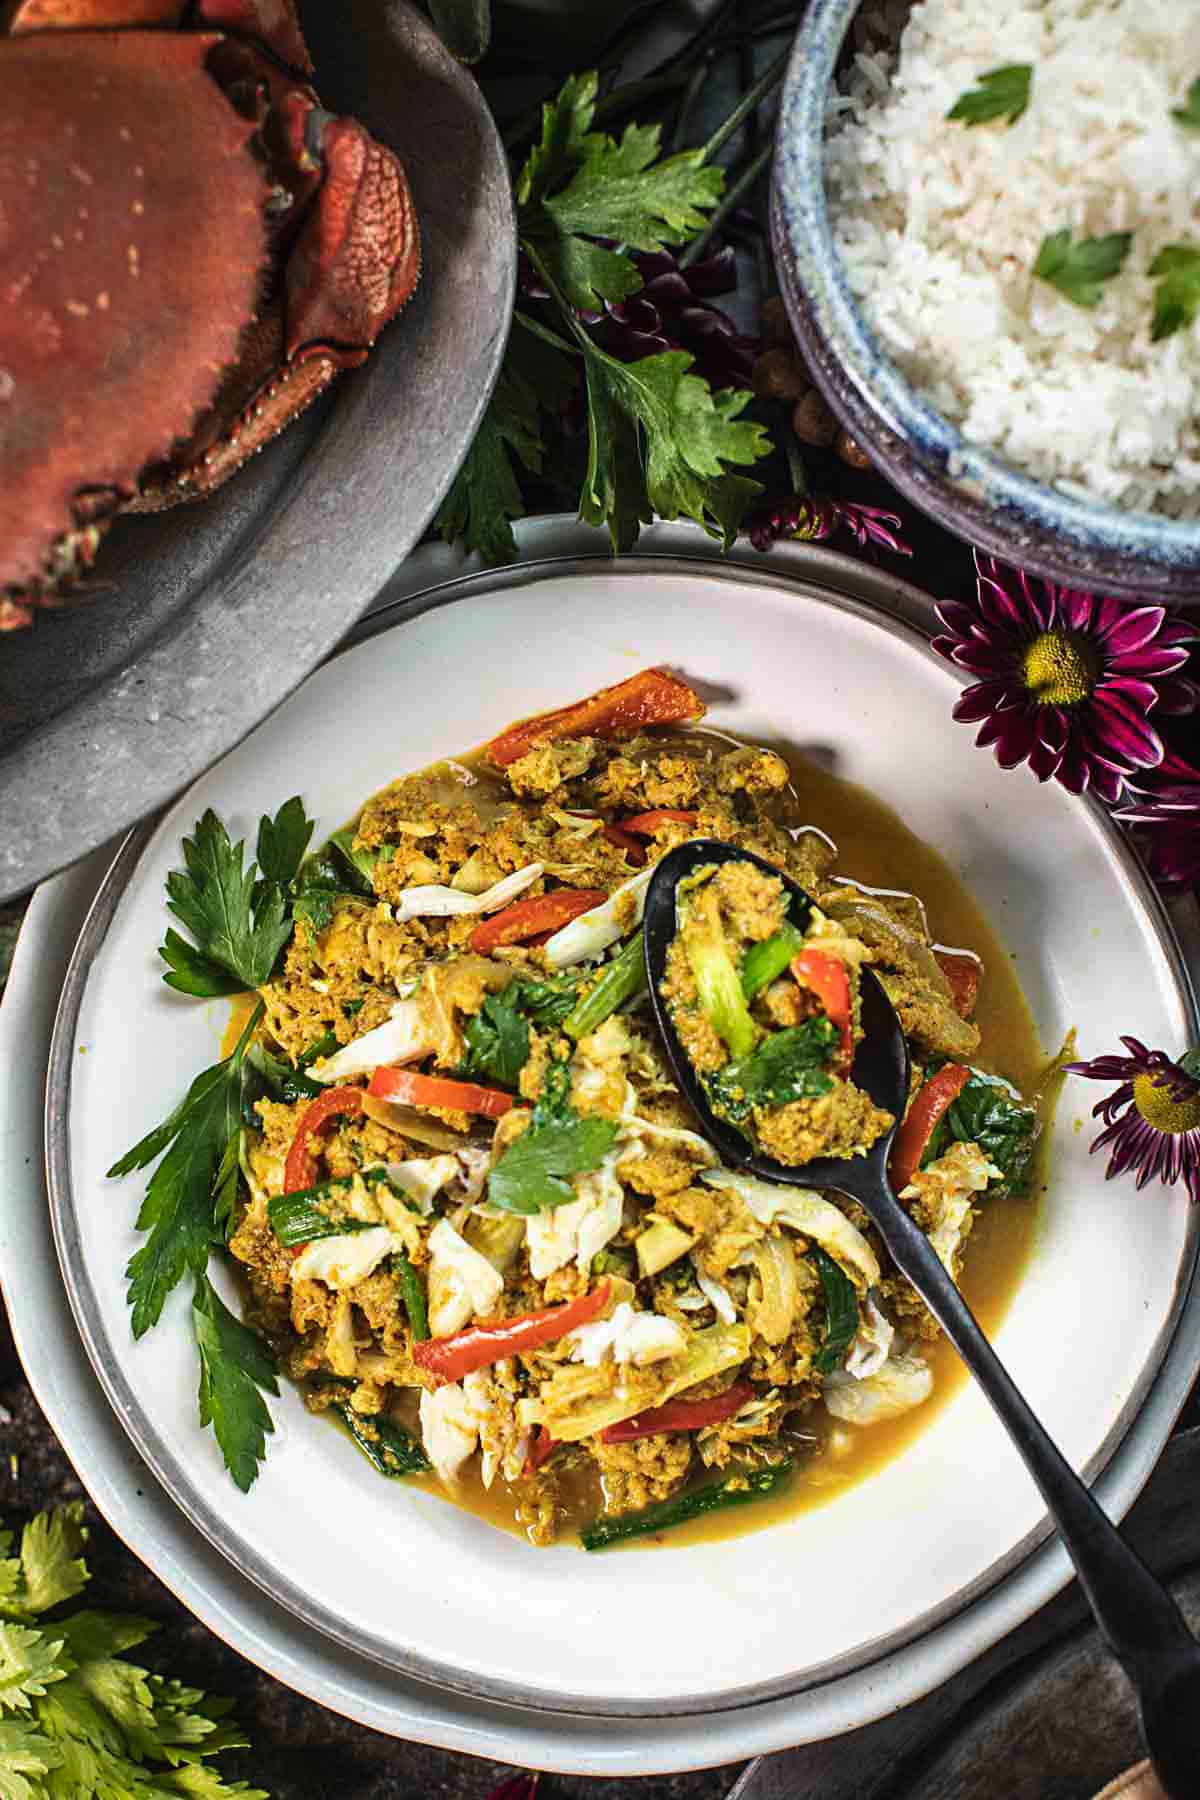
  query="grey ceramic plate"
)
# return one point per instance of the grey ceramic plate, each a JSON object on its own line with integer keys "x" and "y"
{"x": 204, "y": 618}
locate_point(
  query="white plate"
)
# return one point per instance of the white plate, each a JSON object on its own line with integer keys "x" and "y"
{"x": 418, "y": 1586}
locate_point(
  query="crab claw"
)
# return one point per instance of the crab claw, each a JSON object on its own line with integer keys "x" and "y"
{"x": 272, "y": 23}
{"x": 358, "y": 255}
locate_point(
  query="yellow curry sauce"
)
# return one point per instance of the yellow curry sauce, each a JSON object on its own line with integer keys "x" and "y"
{"x": 875, "y": 849}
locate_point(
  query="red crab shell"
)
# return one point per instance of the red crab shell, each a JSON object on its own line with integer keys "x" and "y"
{"x": 190, "y": 250}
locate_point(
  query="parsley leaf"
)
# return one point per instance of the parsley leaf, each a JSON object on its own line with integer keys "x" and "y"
{"x": 497, "y": 1039}
{"x": 1002, "y": 94}
{"x": 51, "y": 1567}
{"x": 234, "y": 1365}
{"x": 1188, "y": 115}
{"x": 319, "y": 888}
{"x": 578, "y": 185}
{"x": 987, "y": 1112}
{"x": 787, "y": 1065}
{"x": 1079, "y": 270}
{"x": 658, "y": 443}
{"x": 180, "y": 1210}
{"x": 537, "y": 379}
{"x": 25, "y": 1751}
{"x": 239, "y": 920}
{"x": 530, "y": 1176}
{"x": 1176, "y": 269}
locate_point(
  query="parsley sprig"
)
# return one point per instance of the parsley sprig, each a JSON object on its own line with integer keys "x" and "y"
{"x": 77, "y": 1719}
{"x": 1176, "y": 273}
{"x": 1002, "y": 94}
{"x": 660, "y": 442}
{"x": 533, "y": 1173}
{"x": 1079, "y": 269}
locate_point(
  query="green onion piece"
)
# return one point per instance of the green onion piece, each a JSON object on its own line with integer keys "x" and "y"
{"x": 387, "y": 1446}
{"x": 763, "y": 962}
{"x": 297, "y": 1218}
{"x": 841, "y": 1312}
{"x": 721, "y": 998}
{"x": 624, "y": 977}
{"x": 412, "y": 1292}
{"x": 737, "y": 1489}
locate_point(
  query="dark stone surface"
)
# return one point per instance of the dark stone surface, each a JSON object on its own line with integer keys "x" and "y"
{"x": 301, "y": 1751}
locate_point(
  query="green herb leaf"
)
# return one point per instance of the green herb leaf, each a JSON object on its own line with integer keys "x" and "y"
{"x": 547, "y": 1003}
{"x": 497, "y": 1039}
{"x": 536, "y": 381}
{"x": 787, "y": 1065}
{"x": 987, "y": 1113}
{"x": 1188, "y": 115}
{"x": 659, "y": 441}
{"x": 841, "y": 1312}
{"x": 1002, "y": 94}
{"x": 530, "y": 1176}
{"x": 389, "y": 1449}
{"x": 239, "y": 921}
{"x": 24, "y": 1750}
{"x": 180, "y": 1207}
{"x": 1079, "y": 270}
{"x": 464, "y": 26}
{"x": 739, "y": 1488}
{"x": 282, "y": 842}
{"x": 234, "y": 1365}
{"x": 1176, "y": 269}
{"x": 28, "y": 1665}
{"x": 52, "y": 1569}
{"x": 412, "y": 1292}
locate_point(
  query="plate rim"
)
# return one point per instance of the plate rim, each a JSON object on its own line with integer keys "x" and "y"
{"x": 24, "y": 762}
{"x": 901, "y": 609}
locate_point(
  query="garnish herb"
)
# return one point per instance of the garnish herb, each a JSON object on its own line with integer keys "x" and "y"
{"x": 1079, "y": 270}
{"x": 388, "y": 1448}
{"x": 1002, "y": 94}
{"x": 530, "y": 1176}
{"x": 787, "y": 1065}
{"x": 497, "y": 1039}
{"x": 1176, "y": 271}
{"x": 841, "y": 1312}
{"x": 659, "y": 440}
{"x": 412, "y": 1292}
{"x": 239, "y": 917}
{"x": 234, "y": 1365}
{"x": 986, "y": 1113}
{"x": 1188, "y": 115}
{"x": 78, "y": 1720}
{"x": 282, "y": 1080}
{"x": 738, "y": 1488}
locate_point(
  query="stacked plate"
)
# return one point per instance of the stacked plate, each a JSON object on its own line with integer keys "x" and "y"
{"x": 386, "y": 1604}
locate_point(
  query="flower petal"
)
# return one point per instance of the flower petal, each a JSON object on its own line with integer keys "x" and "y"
{"x": 1129, "y": 629}
{"x": 1124, "y": 732}
{"x": 978, "y": 702}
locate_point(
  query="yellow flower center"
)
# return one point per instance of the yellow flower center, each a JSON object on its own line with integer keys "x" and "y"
{"x": 1156, "y": 1106}
{"x": 1059, "y": 669}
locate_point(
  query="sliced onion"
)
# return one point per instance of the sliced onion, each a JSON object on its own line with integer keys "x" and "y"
{"x": 403, "y": 1037}
{"x": 592, "y": 932}
{"x": 409, "y": 1123}
{"x": 447, "y": 902}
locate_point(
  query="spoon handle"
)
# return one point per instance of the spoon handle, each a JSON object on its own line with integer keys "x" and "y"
{"x": 1137, "y": 1617}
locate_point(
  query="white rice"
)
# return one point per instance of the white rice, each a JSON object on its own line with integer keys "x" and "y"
{"x": 939, "y": 226}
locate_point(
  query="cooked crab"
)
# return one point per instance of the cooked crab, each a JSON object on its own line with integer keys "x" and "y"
{"x": 191, "y": 249}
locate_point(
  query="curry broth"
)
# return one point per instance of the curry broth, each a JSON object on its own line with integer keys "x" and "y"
{"x": 876, "y": 849}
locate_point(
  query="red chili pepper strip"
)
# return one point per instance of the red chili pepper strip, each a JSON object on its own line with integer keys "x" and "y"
{"x": 680, "y": 1415}
{"x": 300, "y": 1169}
{"x": 411, "y": 1089}
{"x": 962, "y": 972}
{"x": 542, "y": 1447}
{"x": 827, "y": 978}
{"x": 617, "y": 834}
{"x": 652, "y": 697}
{"x": 647, "y": 823}
{"x": 525, "y": 919}
{"x": 939, "y": 1092}
{"x": 449, "y": 1359}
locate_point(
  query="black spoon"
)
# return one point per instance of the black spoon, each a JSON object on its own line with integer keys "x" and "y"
{"x": 1139, "y": 1620}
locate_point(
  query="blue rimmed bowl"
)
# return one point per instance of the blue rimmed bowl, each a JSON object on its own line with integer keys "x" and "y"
{"x": 970, "y": 490}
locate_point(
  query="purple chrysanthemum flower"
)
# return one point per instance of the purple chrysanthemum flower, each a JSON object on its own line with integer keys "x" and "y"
{"x": 517, "y": 1787}
{"x": 1166, "y": 804}
{"x": 1066, "y": 679}
{"x": 812, "y": 519}
{"x": 1152, "y": 1121}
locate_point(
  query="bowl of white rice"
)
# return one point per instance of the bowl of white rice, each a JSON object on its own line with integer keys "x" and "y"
{"x": 986, "y": 218}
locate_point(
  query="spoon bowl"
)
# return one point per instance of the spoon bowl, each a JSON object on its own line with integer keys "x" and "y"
{"x": 1136, "y": 1615}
